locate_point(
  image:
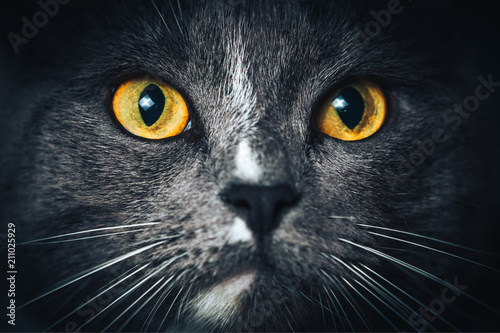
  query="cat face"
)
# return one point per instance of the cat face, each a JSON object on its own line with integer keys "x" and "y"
{"x": 250, "y": 218}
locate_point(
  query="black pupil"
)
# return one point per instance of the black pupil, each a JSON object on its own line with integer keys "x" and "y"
{"x": 350, "y": 106}
{"x": 151, "y": 104}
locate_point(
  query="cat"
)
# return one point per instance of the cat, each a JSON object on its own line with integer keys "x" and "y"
{"x": 252, "y": 213}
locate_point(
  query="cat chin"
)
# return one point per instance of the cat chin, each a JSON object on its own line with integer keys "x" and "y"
{"x": 218, "y": 305}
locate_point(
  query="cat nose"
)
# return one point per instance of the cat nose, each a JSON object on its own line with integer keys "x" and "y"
{"x": 263, "y": 205}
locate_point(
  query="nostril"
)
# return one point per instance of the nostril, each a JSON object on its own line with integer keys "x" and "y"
{"x": 263, "y": 205}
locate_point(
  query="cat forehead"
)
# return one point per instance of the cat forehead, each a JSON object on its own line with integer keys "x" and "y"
{"x": 203, "y": 32}
{"x": 259, "y": 57}
{"x": 194, "y": 41}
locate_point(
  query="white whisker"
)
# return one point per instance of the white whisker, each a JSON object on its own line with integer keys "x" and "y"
{"x": 355, "y": 270}
{"x": 322, "y": 309}
{"x": 169, "y": 309}
{"x": 291, "y": 316}
{"x": 343, "y": 217}
{"x": 94, "y": 270}
{"x": 329, "y": 310}
{"x": 97, "y": 296}
{"x": 161, "y": 16}
{"x": 355, "y": 308}
{"x": 132, "y": 305}
{"x": 411, "y": 297}
{"x": 164, "y": 295}
{"x": 183, "y": 302}
{"x": 371, "y": 304}
{"x": 137, "y": 285}
{"x": 175, "y": 18}
{"x": 86, "y": 238}
{"x": 89, "y": 231}
{"x": 429, "y": 238}
{"x": 328, "y": 291}
{"x": 433, "y": 249}
{"x": 145, "y": 303}
{"x": 387, "y": 295}
{"x": 419, "y": 271}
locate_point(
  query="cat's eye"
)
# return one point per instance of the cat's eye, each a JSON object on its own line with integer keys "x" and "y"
{"x": 354, "y": 111}
{"x": 150, "y": 108}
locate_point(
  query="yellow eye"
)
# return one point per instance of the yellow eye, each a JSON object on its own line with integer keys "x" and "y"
{"x": 353, "y": 112}
{"x": 150, "y": 108}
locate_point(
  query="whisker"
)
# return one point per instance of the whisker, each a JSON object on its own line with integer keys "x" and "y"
{"x": 391, "y": 298}
{"x": 384, "y": 291}
{"x": 117, "y": 278}
{"x": 85, "y": 238}
{"x": 131, "y": 305}
{"x": 182, "y": 303}
{"x": 352, "y": 269}
{"x": 411, "y": 297}
{"x": 330, "y": 310}
{"x": 97, "y": 296}
{"x": 89, "y": 231}
{"x": 433, "y": 249}
{"x": 145, "y": 303}
{"x": 328, "y": 291}
{"x": 371, "y": 304}
{"x": 361, "y": 314}
{"x": 161, "y": 16}
{"x": 419, "y": 271}
{"x": 93, "y": 270}
{"x": 175, "y": 18}
{"x": 312, "y": 300}
{"x": 291, "y": 316}
{"x": 403, "y": 250}
{"x": 125, "y": 294}
{"x": 160, "y": 301}
{"x": 343, "y": 217}
{"x": 339, "y": 288}
{"x": 134, "y": 287}
{"x": 68, "y": 297}
{"x": 169, "y": 309}
{"x": 430, "y": 238}
{"x": 156, "y": 239}
{"x": 395, "y": 310}
{"x": 290, "y": 326}
{"x": 322, "y": 309}
{"x": 179, "y": 6}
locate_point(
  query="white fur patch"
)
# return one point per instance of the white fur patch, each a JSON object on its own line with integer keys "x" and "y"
{"x": 242, "y": 89}
{"x": 219, "y": 303}
{"x": 247, "y": 168}
{"x": 238, "y": 232}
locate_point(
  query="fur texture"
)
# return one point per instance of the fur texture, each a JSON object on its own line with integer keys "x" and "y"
{"x": 252, "y": 75}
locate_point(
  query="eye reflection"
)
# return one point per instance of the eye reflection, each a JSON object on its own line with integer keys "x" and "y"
{"x": 350, "y": 106}
{"x": 151, "y": 104}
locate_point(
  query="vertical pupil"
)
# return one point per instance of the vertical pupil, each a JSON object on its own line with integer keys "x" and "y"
{"x": 350, "y": 107}
{"x": 151, "y": 104}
